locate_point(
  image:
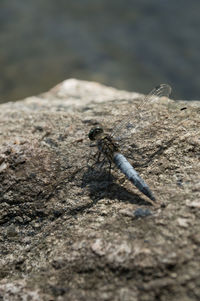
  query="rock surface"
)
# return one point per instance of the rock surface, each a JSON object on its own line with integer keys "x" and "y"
{"x": 70, "y": 233}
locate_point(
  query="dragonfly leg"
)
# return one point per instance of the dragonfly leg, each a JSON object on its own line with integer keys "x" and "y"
{"x": 110, "y": 167}
{"x": 90, "y": 156}
{"x": 98, "y": 154}
{"x": 102, "y": 163}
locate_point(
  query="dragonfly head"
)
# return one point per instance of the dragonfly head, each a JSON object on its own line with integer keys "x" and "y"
{"x": 94, "y": 132}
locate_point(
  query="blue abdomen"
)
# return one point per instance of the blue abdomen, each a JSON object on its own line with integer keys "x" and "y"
{"x": 127, "y": 169}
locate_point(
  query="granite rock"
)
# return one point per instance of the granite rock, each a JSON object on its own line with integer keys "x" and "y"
{"x": 68, "y": 232}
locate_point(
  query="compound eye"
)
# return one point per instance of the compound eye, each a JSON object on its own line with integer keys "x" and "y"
{"x": 94, "y": 132}
{"x": 91, "y": 134}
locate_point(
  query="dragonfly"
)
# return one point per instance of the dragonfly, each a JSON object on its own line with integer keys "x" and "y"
{"x": 108, "y": 146}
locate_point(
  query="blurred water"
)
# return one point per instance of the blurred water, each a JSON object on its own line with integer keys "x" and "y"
{"x": 132, "y": 44}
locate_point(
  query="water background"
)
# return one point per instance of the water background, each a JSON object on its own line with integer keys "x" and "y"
{"x": 132, "y": 45}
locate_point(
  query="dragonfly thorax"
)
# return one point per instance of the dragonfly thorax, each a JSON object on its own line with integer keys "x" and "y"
{"x": 95, "y": 133}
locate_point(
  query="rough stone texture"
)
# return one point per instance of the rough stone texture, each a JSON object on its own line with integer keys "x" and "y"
{"x": 68, "y": 232}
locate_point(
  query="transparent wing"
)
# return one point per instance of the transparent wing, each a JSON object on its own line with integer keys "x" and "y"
{"x": 140, "y": 115}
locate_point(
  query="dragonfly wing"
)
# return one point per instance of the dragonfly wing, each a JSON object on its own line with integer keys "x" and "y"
{"x": 140, "y": 115}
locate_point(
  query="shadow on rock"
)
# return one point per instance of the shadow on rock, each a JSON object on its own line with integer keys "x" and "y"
{"x": 102, "y": 184}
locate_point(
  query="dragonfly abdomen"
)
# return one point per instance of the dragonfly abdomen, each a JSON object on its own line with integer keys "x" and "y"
{"x": 127, "y": 169}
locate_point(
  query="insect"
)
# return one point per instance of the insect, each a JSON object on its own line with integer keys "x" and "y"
{"x": 107, "y": 143}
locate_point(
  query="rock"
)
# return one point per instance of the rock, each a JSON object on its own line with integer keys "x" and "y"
{"x": 67, "y": 230}
{"x": 195, "y": 203}
{"x": 140, "y": 212}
